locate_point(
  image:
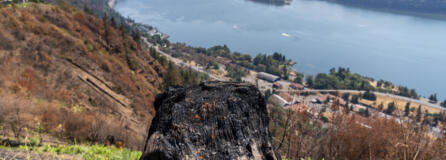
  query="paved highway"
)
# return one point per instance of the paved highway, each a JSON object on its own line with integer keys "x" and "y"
{"x": 422, "y": 101}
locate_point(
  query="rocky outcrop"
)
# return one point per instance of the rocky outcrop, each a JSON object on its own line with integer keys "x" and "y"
{"x": 214, "y": 120}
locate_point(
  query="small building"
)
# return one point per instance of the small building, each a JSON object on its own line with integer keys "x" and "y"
{"x": 284, "y": 99}
{"x": 297, "y": 86}
{"x": 278, "y": 100}
{"x": 267, "y": 77}
{"x": 291, "y": 99}
{"x": 329, "y": 98}
{"x": 322, "y": 99}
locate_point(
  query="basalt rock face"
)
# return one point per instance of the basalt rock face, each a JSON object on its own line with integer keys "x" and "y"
{"x": 214, "y": 120}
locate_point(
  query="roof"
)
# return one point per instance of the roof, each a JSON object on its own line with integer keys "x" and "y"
{"x": 279, "y": 100}
{"x": 267, "y": 76}
{"x": 296, "y": 86}
{"x": 323, "y": 98}
{"x": 286, "y": 97}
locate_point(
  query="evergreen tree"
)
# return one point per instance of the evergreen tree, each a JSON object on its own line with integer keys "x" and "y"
{"x": 299, "y": 78}
{"x": 418, "y": 113}
{"x": 433, "y": 98}
{"x": 407, "y": 109}
{"x": 355, "y": 99}
{"x": 346, "y": 107}
{"x": 443, "y": 104}
{"x": 366, "y": 113}
{"x": 285, "y": 72}
{"x": 309, "y": 80}
{"x": 390, "y": 108}
{"x": 267, "y": 94}
{"x": 173, "y": 76}
{"x": 426, "y": 117}
{"x": 381, "y": 107}
{"x": 346, "y": 96}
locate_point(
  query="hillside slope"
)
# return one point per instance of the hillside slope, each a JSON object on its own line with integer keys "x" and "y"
{"x": 74, "y": 75}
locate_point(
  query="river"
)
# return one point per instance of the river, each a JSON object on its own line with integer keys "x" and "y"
{"x": 406, "y": 50}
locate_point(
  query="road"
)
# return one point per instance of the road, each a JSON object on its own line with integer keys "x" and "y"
{"x": 266, "y": 85}
{"x": 180, "y": 63}
{"x": 422, "y": 102}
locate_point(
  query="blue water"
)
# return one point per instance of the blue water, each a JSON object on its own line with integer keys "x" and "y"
{"x": 317, "y": 35}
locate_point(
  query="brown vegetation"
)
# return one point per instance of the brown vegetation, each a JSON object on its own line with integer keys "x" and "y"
{"x": 44, "y": 52}
{"x": 352, "y": 137}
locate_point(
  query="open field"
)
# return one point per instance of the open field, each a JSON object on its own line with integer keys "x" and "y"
{"x": 399, "y": 103}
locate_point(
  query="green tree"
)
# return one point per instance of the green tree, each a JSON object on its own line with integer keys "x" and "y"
{"x": 418, "y": 116}
{"x": 369, "y": 95}
{"x": 355, "y": 99}
{"x": 347, "y": 109}
{"x": 268, "y": 93}
{"x": 366, "y": 113}
{"x": 381, "y": 106}
{"x": 407, "y": 109}
{"x": 154, "y": 53}
{"x": 433, "y": 98}
{"x": 172, "y": 76}
{"x": 390, "y": 108}
{"x": 131, "y": 62}
{"x": 443, "y": 104}
{"x": 309, "y": 80}
{"x": 426, "y": 119}
{"x": 285, "y": 72}
{"x": 299, "y": 78}
{"x": 346, "y": 96}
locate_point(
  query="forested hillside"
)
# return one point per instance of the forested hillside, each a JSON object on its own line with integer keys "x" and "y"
{"x": 418, "y": 6}
{"x": 66, "y": 73}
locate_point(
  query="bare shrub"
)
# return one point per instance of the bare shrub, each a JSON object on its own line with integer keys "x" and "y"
{"x": 13, "y": 112}
{"x": 353, "y": 137}
{"x": 51, "y": 117}
{"x": 77, "y": 125}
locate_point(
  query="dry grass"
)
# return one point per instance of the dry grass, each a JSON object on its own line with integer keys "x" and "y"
{"x": 352, "y": 137}
{"x": 36, "y": 42}
{"x": 400, "y": 104}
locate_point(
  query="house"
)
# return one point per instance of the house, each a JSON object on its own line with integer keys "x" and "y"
{"x": 291, "y": 99}
{"x": 329, "y": 98}
{"x": 297, "y": 86}
{"x": 322, "y": 98}
{"x": 283, "y": 99}
{"x": 276, "y": 99}
{"x": 267, "y": 77}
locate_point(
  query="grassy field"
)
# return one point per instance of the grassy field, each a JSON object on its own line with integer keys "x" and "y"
{"x": 400, "y": 104}
{"x": 86, "y": 152}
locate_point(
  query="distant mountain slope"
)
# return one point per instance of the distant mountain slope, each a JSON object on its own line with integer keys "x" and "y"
{"x": 415, "y": 6}
{"x": 274, "y": 2}
{"x": 67, "y": 63}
